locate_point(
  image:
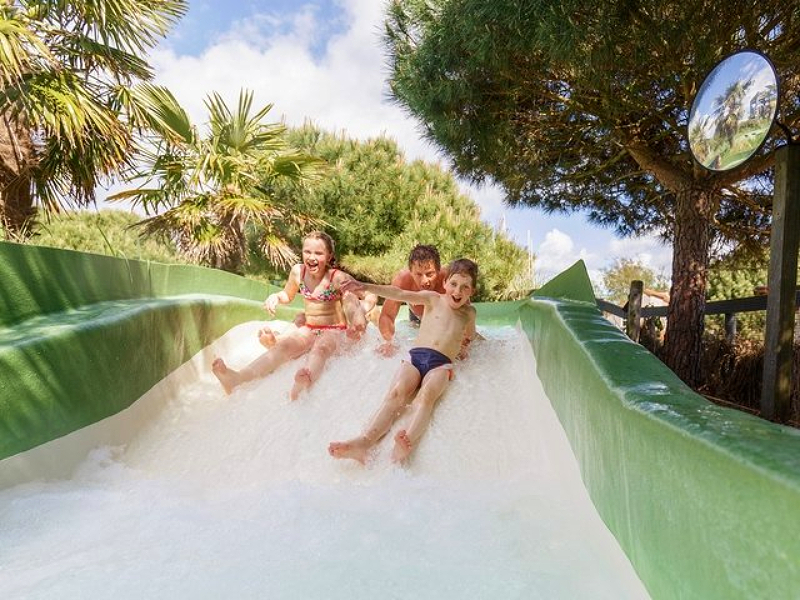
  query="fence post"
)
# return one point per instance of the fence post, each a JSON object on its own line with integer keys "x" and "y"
{"x": 797, "y": 326}
{"x": 784, "y": 241}
{"x": 730, "y": 327}
{"x": 633, "y": 324}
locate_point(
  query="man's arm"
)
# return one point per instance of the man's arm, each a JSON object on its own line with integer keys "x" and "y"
{"x": 389, "y": 311}
{"x": 386, "y": 321}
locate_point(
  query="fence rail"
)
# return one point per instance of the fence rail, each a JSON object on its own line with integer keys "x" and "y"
{"x": 717, "y": 307}
{"x": 729, "y": 308}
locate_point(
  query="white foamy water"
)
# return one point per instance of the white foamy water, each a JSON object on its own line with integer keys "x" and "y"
{"x": 236, "y": 497}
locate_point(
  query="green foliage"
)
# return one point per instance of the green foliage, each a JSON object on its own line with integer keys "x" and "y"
{"x": 737, "y": 276}
{"x": 378, "y": 206}
{"x": 416, "y": 203}
{"x": 576, "y": 106}
{"x": 69, "y": 80}
{"x": 110, "y": 232}
{"x": 368, "y": 193}
{"x": 209, "y": 191}
{"x": 617, "y": 279}
{"x": 575, "y": 109}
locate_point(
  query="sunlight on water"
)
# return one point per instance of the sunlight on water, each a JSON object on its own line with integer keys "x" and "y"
{"x": 236, "y": 497}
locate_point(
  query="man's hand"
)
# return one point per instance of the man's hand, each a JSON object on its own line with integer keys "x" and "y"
{"x": 387, "y": 349}
{"x": 356, "y": 329}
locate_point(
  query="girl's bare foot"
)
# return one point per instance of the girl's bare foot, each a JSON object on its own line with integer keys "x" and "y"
{"x": 402, "y": 447}
{"x": 227, "y": 377}
{"x": 357, "y": 449}
{"x": 267, "y": 337}
{"x": 302, "y": 381}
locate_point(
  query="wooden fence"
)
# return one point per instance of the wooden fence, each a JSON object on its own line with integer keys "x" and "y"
{"x": 729, "y": 308}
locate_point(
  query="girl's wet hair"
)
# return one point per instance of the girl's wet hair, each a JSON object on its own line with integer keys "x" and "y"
{"x": 330, "y": 246}
{"x": 464, "y": 266}
{"x": 422, "y": 253}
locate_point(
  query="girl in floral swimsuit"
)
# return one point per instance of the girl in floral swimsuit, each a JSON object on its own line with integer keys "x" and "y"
{"x": 327, "y": 316}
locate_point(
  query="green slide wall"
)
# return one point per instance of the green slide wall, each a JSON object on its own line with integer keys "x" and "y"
{"x": 83, "y": 336}
{"x": 704, "y": 500}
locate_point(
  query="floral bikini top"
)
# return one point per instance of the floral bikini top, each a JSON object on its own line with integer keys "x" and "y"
{"x": 329, "y": 294}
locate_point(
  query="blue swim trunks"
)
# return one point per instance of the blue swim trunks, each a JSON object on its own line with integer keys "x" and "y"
{"x": 427, "y": 359}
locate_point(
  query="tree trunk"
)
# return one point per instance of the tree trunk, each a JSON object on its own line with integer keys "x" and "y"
{"x": 687, "y": 304}
{"x": 233, "y": 257}
{"x": 17, "y": 157}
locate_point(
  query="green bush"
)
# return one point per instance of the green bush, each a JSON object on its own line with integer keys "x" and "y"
{"x": 109, "y": 232}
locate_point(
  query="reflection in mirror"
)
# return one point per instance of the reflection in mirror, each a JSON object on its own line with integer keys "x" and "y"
{"x": 733, "y": 111}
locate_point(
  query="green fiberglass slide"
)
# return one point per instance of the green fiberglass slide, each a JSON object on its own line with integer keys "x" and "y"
{"x": 702, "y": 499}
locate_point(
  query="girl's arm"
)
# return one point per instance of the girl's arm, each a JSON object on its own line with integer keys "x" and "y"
{"x": 288, "y": 292}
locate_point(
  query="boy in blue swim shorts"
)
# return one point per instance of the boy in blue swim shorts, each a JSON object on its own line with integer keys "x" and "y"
{"x": 444, "y": 334}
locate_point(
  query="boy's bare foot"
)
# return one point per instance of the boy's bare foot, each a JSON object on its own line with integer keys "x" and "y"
{"x": 227, "y": 377}
{"x": 302, "y": 381}
{"x": 267, "y": 337}
{"x": 402, "y": 447}
{"x": 357, "y": 449}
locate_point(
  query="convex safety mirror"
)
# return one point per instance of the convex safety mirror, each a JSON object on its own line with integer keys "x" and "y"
{"x": 734, "y": 110}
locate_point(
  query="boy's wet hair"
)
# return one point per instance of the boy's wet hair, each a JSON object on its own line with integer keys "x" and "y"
{"x": 422, "y": 253}
{"x": 464, "y": 266}
{"x": 330, "y": 246}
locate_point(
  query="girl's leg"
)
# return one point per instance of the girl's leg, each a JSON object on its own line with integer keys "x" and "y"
{"x": 286, "y": 349}
{"x": 433, "y": 386}
{"x": 324, "y": 346}
{"x": 403, "y": 385}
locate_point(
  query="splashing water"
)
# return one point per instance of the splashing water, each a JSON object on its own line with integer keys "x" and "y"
{"x": 236, "y": 497}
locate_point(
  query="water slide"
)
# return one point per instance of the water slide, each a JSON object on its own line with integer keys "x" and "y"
{"x": 563, "y": 462}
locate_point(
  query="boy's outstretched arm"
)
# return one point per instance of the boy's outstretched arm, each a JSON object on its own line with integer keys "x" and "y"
{"x": 392, "y": 292}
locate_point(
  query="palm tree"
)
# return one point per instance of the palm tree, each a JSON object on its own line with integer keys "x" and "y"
{"x": 68, "y": 106}
{"x": 206, "y": 192}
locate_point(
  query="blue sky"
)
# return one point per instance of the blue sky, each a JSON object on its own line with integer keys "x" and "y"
{"x": 322, "y": 61}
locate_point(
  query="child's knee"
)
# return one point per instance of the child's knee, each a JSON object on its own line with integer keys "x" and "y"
{"x": 429, "y": 394}
{"x": 396, "y": 398}
{"x": 324, "y": 347}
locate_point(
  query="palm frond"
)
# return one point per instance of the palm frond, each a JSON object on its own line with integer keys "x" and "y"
{"x": 20, "y": 48}
{"x": 133, "y": 25}
{"x": 154, "y": 108}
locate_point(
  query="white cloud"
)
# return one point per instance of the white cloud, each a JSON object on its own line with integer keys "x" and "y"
{"x": 557, "y": 252}
{"x": 342, "y": 88}
{"x": 648, "y": 250}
